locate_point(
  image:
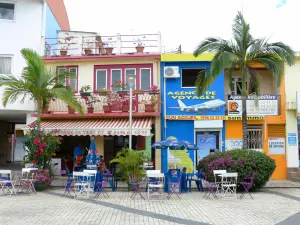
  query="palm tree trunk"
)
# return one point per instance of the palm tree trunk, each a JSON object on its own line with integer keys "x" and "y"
{"x": 244, "y": 121}
{"x": 38, "y": 121}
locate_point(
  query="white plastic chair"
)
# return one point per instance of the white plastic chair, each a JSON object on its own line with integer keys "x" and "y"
{"x": 218, "y": 180}
{"x": 94, "y": 174}
{"x": 82, "y": 184}
{"x": 6, "y": 182}
{"x": 229, "y": 184}
{"x": 155, "y": 188}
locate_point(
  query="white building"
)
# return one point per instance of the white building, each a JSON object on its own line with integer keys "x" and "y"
{"x": 23, "y": 24}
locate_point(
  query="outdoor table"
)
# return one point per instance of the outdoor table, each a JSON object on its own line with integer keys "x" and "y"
{"x": 197, "y": 178}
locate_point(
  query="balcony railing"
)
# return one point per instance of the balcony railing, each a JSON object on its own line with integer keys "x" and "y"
{"x": 87, "y": 44}
{"x": 113, "y": 102}
{"x": 268, "y": 105}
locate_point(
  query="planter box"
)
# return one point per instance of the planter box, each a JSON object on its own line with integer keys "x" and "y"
{"x": 138, "y": 92}
{"x": 149, "y": 108}
{"x": 153, "y": 92}
{"x": 85, "y": 94}
{"x": 102, "y": 93}
{"x": 125, "y": 108}
{"x": 107, "y": 108}
{"x": 63, "y": 53}
{"x": 122, "y": 92}
{"x": 90, "y": 109}
{"x": 39, "y": 185}
{"x": 71, "y": 110}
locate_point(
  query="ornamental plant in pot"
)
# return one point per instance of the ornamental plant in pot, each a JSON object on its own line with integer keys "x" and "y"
{"x": 65, "y": 43}
{"x": 42, "y": 180}
{"x": 139, "y": 47}
{"x": 108, "y": 48}
{"x": 130, "y": 163}
{"x": 125, "y": 105}
{"x": 103, "y": 92}
{"x": 85, "y": 90}
{"x": 120, "y": 87}
{"x": 88, "y": 45}
{"x": 89, "y": 101}
{"x": 150, "y": 105}
{"x": 138, "y": 91}
{"x": 154, "y": 89}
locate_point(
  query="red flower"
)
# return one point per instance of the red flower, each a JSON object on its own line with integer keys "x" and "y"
{"x": 53, "y": 99}
{"x": 60, "y": 138}
{"x": 42, "y": 145}
{"x": 36, "y": 141}
{"x": 81, "y": 91}
{"x": 34, "y": 161}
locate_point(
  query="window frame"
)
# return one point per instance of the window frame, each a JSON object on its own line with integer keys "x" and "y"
{"x": 235, "y": 80}
{"x": 256, "y": 128}
{"x": 125, "y": 77}
{"x": 11, "y": 64}
{"x": 140, "y": 77}
{"x": 67, "y": 79}
{"x": 111, "y": 80}
{"x": 15, "y": 6}
{"x": 188, "y": 68}
{"x": 106, "y": 79}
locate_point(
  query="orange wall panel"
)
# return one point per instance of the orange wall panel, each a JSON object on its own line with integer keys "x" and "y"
{"x": 234, "y": 129}
{"x": 280, "y": 171}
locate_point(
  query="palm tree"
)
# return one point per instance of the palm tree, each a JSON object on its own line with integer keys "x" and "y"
{"x": 37, "y": 82}
{"x": 239, "y": 54}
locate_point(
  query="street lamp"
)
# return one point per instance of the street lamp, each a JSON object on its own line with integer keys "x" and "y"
{"x": 131, "y": 83}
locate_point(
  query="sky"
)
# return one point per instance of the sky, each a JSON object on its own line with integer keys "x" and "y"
{"x": 186, "y": 23}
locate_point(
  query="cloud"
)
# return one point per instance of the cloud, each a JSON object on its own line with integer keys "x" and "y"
{"x": 282, "y": 3}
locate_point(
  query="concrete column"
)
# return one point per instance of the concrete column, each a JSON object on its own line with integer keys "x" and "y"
{"x": 292, "y": 154}
{"x": 99, "y": 140}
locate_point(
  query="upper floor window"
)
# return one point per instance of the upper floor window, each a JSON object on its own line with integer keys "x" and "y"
{"x": 145, "y": 78}
{"x": 7, "y": 11}
{"x": 237, "y": 86}
{"x": 189, "y": 77}
{"x": 5, "y": 64}
{"x": 101, "y": 79}
{"x": 69, "y": 80}
{"x": 130, "y": 71}
{"x": 116, "y": 76}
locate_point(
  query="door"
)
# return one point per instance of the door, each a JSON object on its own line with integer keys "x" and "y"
{"x": 109, "y": 148}
{"x": 207, "y": 141}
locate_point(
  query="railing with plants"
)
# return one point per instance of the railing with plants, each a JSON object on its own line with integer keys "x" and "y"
{"x": 107, "y": 101}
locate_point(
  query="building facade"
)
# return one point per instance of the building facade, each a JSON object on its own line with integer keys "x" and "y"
{"x": 100, "y": 69}
{"x": 213, "y": 120}
{"x": 26, "y": 23}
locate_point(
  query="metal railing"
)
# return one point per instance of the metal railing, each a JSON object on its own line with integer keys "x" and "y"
{"x": 101, "y": 45}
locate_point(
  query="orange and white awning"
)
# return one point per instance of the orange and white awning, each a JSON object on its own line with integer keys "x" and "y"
{"x": 97, "y": 127}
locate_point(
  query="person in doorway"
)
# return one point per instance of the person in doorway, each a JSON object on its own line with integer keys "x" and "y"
{"x": 77, "y": 150}
{"x": 102, "y": 164}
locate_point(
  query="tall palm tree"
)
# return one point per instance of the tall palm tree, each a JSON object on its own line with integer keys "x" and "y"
{"x": 37, "y": 82}
{"x": 239, "y": 54}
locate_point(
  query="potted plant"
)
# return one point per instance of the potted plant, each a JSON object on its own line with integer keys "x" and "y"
{"x": 42, "y": 180}
{"x": 150, "y": 106}
{"x": 65, "y": 44}
{"x": 153, "y": 89}
{"x": 85, "y": 91}
{"x": 103, "y": 92}
{"x": 138, "y": 91}
{"x": 125, "y": 104}
{"x": 108, "y": 48}
{"x": 130, "y": 165}
{"x": 139, "y": 47}
{"x": 121, "y": 87}
{"x": 109, "y": 99}
{"x": 88, "y": 46}
{"x": 89, "y": 102}
{"x": 71, "y": 110}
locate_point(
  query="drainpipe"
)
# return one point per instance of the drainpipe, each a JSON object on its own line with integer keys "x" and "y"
{"x": 43, "y": 30}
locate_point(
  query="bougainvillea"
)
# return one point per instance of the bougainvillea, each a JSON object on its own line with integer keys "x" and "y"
{"x": 40, "y": 147}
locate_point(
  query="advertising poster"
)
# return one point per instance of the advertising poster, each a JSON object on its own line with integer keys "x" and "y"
{"x": 205, "y": 142}
{"x": 267, "y": 105}
{"x": 276, "y": 146}
{"x": 178, "y": 159}
{"x": 292, "y": 139}
{"x": 231, "y": 144}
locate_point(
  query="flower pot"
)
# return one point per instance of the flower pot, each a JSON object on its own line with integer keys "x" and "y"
{"x": 122, "y": 92}
{"x": 153, "y": 92}
{"x": 138, "y": 92}
{"x": 139, "y": 49}
{"x": 125, "y": 108}
{"x": 102, "y": 93}
{"x": 149, "y": 108}
{"x": 130, "y": 187}
{"x": 84, "y": 94}
{"x": 107, "y": 108}
{"x": 90, "y": 109}
{"x": 63, "y": 52}
{"x": 87, "y": 51}
{"x": 71, "y": 110}
{"x": 39, "y": 185}
{"x": 109, "y": 50}
{"x": 45, "y": 110}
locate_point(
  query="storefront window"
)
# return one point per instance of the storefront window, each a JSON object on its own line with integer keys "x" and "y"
{"x": 189, "y": 77}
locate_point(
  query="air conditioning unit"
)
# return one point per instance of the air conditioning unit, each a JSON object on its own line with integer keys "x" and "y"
{"x": 171, "y": 72}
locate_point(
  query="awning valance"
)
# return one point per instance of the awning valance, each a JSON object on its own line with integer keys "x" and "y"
{"x": 97, "y": 127}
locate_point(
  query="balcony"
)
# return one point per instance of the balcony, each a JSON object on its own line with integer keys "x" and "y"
{"x": 73, "y": 43}
{"x": 268, "y": 105}
{"x": 144, "y": 103}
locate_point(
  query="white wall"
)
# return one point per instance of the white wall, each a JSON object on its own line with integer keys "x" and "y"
{"x": 24, "y": 32}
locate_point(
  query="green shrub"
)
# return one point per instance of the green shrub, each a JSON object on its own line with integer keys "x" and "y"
{"x": 242, "y": 161}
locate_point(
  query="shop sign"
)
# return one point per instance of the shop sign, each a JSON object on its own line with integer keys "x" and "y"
{"x": 267, "y": 105}
{"x": 276, "y": 146}
{"x": 231, "y": 144}
{"x": 213, "y": 117}
{"x": 100, "y": 132}
{"x": 292, "y": 139}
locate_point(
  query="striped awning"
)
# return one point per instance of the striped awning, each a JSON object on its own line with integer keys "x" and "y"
{"x": 97, "y": 127}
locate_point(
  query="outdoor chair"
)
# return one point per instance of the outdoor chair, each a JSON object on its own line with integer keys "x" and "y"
{"x": 136, "y": 185}
{"x": 247, "y": 183}
{"x": 108, "y": 176}
{"x": 229, "y": 184}
{"x": 174, "y": 182}
{"x": 69, "y": 187}
{"x": 155, "y": 183}
{"x": 212, "y": 187}
{"x": 28, "y": 179}
{"x": 6, "y": 182}
{"x": 218, "y": 179}
{"x": 100, "y": 189}
{"x": 81, "y": 184}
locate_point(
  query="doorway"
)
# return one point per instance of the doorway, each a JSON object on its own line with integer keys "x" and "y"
{"x": 207, "y": 142}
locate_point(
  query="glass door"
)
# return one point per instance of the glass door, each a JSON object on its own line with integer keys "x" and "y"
{"x": 207, "y": 142}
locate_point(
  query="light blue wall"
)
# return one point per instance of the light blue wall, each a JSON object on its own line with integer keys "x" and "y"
{"x": 51, "y": 28}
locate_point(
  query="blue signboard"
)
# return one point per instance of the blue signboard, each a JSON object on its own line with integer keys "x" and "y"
{"x": 182, "y": 100}
{"x": 292, "y": 139}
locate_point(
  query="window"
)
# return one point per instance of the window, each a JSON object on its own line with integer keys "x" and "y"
{"x": 236, "y": 86}
{"x": 130, "y": 72}
{"x": 5, "y": 65}
{"x": 116, "y": 76}
{"x": 101, "y": 79}
{"x": 189, "y": 77}
{"x": 7, "y": 11}
{"x": 254, "y": 137}
{"x": 145, "y": 78}
{"x": 68, "y": 81}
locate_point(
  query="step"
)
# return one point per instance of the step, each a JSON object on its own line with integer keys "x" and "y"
{"x": 294, "y": 169}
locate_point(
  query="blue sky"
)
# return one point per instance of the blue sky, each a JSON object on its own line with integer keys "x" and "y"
{"x": 186, "y": 24}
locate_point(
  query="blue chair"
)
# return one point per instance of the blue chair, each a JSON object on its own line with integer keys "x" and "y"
{"x": 184, "y": 180}
{"x": 174, "y": 182}
{"x": 198, "y": 180}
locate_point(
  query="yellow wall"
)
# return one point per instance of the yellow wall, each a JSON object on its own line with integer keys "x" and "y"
{"x": 186, "y": 57}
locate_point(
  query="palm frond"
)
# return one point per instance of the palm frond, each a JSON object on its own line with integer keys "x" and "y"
{"x": 211, "y": 44}
{"x": 254, "y": 81}
{"x": 222, "y": 60}
{"x": 283, "y": 51}
{"x": 204, "y": 80}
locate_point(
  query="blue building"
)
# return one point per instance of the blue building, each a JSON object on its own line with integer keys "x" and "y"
{"x": 185, "y": 115}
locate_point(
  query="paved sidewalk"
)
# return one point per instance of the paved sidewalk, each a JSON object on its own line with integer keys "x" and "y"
{"x": 272, "y": 206}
